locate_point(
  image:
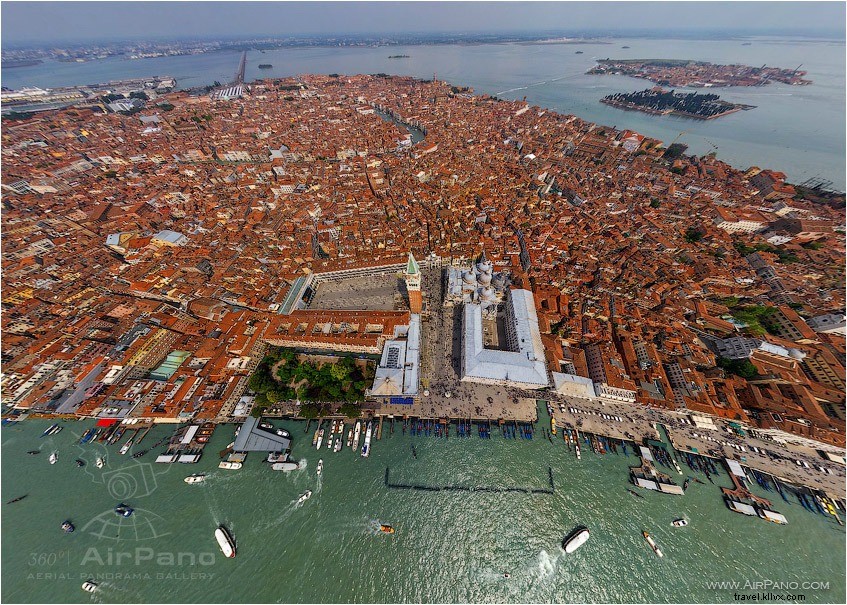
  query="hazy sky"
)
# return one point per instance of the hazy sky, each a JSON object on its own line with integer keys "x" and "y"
{"x": 58, "y": 21}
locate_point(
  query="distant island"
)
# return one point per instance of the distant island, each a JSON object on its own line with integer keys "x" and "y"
{"x": 22, "y": 63}
{"x": 265, "y": 66}
{"x": 681, "y": 72}
{"x": 398, "y": 56}
{"x": 661, "y": 102}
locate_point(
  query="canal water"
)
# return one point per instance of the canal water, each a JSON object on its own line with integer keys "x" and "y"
{"x": 452, "y": 546}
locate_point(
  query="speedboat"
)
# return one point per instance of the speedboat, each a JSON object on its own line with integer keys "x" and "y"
{"x": 350, "y": 437}
{"x": 679, "y": 523}
{"x": 126, "y": 447}
{"x": 338, "y": 441}
{"x": 266, "y": 425}
{"x": 232, "y": 466}
{"x": 49, "y": 430}
{"x": 304, "y": 496}
{"x": 320, "y": 467}
{"x": 89, "y": 586}
{"x": 320, "y": 439}
{"x": 100, "y": 463}
{"x": 53, "y": 458}
{"x": 386, "y": 529}
{"x": 575, "y": 539}
{"x": 195, "y": 478}
{"x": 80, "y": 463}
{"x": 68, "y": 527}
{"x": 283, "y": 433}
{"x": 225, "y": 541}
{"x": 34, "y": 452}
{"x": 123, "y": 510}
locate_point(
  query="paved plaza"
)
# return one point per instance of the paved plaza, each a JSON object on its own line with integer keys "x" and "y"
{"x": 380, "y": 292}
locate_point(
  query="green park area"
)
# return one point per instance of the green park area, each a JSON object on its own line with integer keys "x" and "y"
{"x": 284, "y": 375}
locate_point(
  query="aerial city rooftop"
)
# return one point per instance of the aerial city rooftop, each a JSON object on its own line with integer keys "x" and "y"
{"x": 150, "y": 259}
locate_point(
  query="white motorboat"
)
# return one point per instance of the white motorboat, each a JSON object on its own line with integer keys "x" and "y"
{"x": 225, "y": 541}
{"x": 230, "y": 465}
{"x": 320, "y": 438}
{"x": 679, "y": 523}
{"x": 338, "y": 441}
{"x": 126, "y": 447}
{"x": 285, "y": 466}
{"x": 350, "y": 437}
{"x": 100, "y": 463}
{"x": 320, "y": 467}
{"x": 195, "y": 478}
{"x": 89, "y": 586}
{"x": 304, "y": 496}
{"x": 575, "y": 539}
{"x": 53, "y": 458}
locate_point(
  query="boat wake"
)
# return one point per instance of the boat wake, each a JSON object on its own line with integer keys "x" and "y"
{"x": 546, "y": 564}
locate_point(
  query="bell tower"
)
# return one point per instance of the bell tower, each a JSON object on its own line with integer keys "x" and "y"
{"x": 413, "y": 284}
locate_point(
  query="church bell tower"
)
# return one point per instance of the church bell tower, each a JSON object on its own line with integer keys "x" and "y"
{"x": 413, "y": 284}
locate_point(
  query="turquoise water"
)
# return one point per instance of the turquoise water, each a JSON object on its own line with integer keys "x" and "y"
{"x": 796, "y": 129}
{"x": 449, "y": 546}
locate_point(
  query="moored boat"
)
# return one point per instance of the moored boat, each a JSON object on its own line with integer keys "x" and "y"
{"x": 231, "y": 466}
{"x": 320, "y": 439}
{"x": 225, "y": 541}
{"x": 356, "y": 435}
{"x": 575, "y": 539}
{"x": 48, "y": 430}
{"x": 126, "y": 447}
{"x": 366, "y": 446}
{"x": 553, "y": 426}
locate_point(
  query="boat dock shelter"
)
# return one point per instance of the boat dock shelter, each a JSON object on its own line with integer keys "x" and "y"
{"x": 251, "y": 438}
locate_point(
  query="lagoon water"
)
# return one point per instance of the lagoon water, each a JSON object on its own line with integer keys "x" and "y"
{"x": 449, "y": 546}
{"x": 796, "y": 129}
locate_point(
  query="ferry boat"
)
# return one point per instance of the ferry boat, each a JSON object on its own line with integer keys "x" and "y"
{"x": 320, "y": 438}
{"x": 553, "y": 426}
{"x": 49, "y": 429}
{"x": 304, "y": 496}
{"x": 386, "y": 529}
{"x": 356, "y": 435}
{"x": 89, "y": 586}
{"x": 126, "y": 447}
{"x": 68, "y": 527}
{"x": 195, "y": 478}
{"x": 231, "y": 466}
{"x": 575, "y": 539}
{"x": 100, "y": 463}
{"x": 366, "y": 446}
{"x": 652, "y": 544}
{"x": 123, "y": 510}
{"x": 53, "y": 458}
{"x": 225, "y": 541}
{"x": 679, "y": 523}
{"x": 320, "y": 467}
